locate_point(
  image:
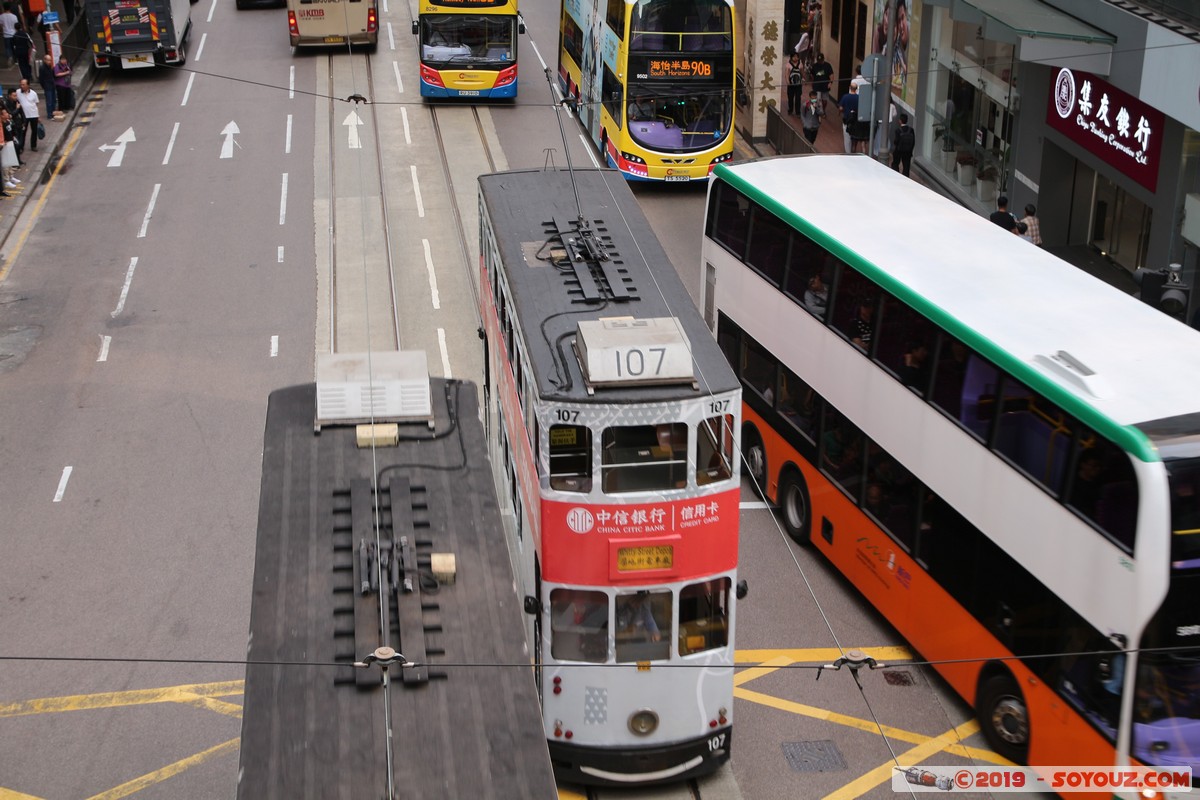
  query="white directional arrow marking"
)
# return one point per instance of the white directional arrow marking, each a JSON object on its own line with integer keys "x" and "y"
{"x": 118, "y": 149}
{"x": 352, "y": 122}
{"x": 227, "y": 146}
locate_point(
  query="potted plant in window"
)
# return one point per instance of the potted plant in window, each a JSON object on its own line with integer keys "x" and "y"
{"x": 986, "y": 176}
{"x": 966, "y": 167}
{"x": 946, "y": 155}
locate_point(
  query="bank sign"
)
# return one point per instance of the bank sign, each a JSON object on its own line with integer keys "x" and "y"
{"x": 1118, "y": 128}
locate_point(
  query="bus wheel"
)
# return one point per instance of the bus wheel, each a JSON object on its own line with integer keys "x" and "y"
{"x": 755, "y": 456}
{"x": 794, "y": 506}
{"x": 1004, "y": 717}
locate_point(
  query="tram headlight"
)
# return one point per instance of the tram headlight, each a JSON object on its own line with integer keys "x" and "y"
{"x": 644, "y": 722}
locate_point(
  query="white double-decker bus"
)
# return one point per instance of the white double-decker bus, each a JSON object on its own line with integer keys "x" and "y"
{"x": 1000, "y": 451}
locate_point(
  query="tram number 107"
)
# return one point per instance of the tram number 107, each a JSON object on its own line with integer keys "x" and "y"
{"x": 716, "y": 742}
{"x": 632, "y": 363}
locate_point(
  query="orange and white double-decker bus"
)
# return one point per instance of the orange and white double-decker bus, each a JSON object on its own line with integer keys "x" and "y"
{"x": 613, "y": 420}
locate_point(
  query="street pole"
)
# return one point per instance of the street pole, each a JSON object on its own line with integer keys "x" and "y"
{"x": 883, "y": 84}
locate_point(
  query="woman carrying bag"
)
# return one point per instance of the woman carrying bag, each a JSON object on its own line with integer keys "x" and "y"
{"x": 62, "y": 86}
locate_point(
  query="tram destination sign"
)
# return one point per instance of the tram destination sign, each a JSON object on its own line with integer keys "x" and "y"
{"x": 679, "y": 66}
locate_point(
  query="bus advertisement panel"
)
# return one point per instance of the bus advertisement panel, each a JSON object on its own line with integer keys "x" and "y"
{"x": 653, "y": 83}
{"x": 468, "y": 48}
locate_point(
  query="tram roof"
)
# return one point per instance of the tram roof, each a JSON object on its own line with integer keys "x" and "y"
{"x": 308, "y": 730}
{"x": 1017, "y": 304}
{"x": 520, "y": 204}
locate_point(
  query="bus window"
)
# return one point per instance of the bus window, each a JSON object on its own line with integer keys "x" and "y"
{"x": 1034, "y": 435}
{"x": 768, "y": 248}
{"x": 571, "y": 458}
{"x": 1185, "y": 513}
{"x": 906, "y": 341}
{"x": 842, "y": 450}
{"x": 759, "y": 370}
{"x": 855, "y": 307}
{"x": 579, "y": 625}
{"x": 643, "y": 631}
{"x": 714, "y": 450}
{"x": 641, "y": 458}
{"x": 704, "y": 616}
{"x": 1103, "y": 490}
{"x": 891, "y": 495}
{"x": 797, "y": 403}
{"x": 965, "y": 386}
{"x": 729, "y": 218}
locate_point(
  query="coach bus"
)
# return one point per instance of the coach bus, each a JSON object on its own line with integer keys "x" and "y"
{"x": 613, "y": 419}
{"x": 984, "y": 439}
{"x": 468, "y": 48}
{"x": 653, "y": 82}
{"x": 321, "y": 23}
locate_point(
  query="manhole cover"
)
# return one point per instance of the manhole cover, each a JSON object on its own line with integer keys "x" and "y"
{"x": 819, "y": 756}
{"x": 897, "y": 677}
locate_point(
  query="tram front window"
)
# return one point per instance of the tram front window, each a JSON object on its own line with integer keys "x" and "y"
{"x": 643, "y": 458}
{"x": 643, "y": 626}
{"x": 678, "y": 119}
{"x": 579, "y": 625}
{"x": 704, "y": 616}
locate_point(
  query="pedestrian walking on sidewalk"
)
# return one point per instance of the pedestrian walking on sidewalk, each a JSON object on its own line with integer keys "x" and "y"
{"x": 29, "y": 102}
{"x": 822, "y": 74}
{"x": 8, "y": 152}
{"x": 46, "y": 80}
{"x": 795, "y": 83}
{"x": 62, "y": 85}
{"x": 17, "y": 116}
{"x": 811, "y": 116}
{"x": 8, "y": 27}
{"x": 904, "y": 142}
{"x": 23, "y": 51}
{"x": 856, "y": 138}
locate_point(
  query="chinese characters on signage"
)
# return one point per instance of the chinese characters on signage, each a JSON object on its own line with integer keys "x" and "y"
{"x": 1117, "y": 127}
{"x": 644, "y": 519}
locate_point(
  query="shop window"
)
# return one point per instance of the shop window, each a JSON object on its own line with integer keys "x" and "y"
{"x": 571, "y": 458}
{"x": 579, "y": 625}
{"x": 704, "y": 616}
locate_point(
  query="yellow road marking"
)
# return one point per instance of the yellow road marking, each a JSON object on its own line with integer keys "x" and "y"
{"x": 76, "y": 133}
{"x": 563, "y": 794}
{"x": 820, "y": 655}
{"x": 883, "y": 773}
{"x": 167, "y": 772}
{"x": 194, "y": 694}
{"x": 766, "y": 668}
{"x": 9, "y": 794}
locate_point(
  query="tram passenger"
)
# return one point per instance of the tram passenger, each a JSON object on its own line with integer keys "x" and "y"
{"x": 635, "y": 622}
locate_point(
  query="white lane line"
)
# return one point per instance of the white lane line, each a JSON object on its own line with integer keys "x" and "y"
{"x": 399, "y": 80}
{"x": 125, "y": 289}
{"x": 188, "y": 91}
{"x": 433, "y": 290}
{"x": 150, "y": 209}
{"x": 291, "y": 82}
{"x": 280, "y": 254}
{"x": 538, "y": 53}
{"x": 200, "y": 49}
{"x": 753, "y": 505}
{"x": 62, "y": 484}
{"x": 417, "y": 191}
{"x": 587, "y": 146}
{"x": 105, "y": 341}
{"x": 391, "y": 38}
{"x": 274, "y": 346}
{"x": 211, "y": 10}
{"x": 445, "y": 353}
{"x": 170, "y": 144}
{"x": 287, "y": 139}
{"x": 283, "y": 200}
{"x": 407, "y": 133}
{"x": 385, "y": 8}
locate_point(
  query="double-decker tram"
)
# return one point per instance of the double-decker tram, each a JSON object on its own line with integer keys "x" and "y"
{"x": 653, "y": 82}
{"x": 1000, "y": 451}
{"x": 468, "y": 48}
{"x": 613, "y": 418}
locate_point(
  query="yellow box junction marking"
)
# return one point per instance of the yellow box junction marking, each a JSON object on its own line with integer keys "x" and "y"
{"x": 198, "y": 694}
{"x": 167, "y": 772}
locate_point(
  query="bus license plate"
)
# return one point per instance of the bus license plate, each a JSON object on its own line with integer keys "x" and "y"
{"x": 632, "y": 559}
{"x": 468, "y": 93}
{"x": 334, "y": 39}
{"x": 677, "y": 178}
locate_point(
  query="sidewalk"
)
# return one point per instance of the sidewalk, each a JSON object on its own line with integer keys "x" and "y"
{"x": 38, "y": 167}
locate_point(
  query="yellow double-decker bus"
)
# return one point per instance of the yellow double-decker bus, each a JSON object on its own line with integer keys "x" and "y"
{"x": 653, "y": 82}
{"x": 468, "y": 47}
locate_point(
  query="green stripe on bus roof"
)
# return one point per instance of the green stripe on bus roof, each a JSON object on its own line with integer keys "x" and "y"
{"x": 1128, "y": 437}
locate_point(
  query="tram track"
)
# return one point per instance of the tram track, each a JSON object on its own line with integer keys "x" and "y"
{"x": 361, "y": 263}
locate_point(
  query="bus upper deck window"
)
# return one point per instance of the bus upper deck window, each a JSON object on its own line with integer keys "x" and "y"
{"x": 570, "y": 458}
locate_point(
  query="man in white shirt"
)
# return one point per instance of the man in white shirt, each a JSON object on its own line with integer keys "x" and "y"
{"x": 28, "y": 100}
